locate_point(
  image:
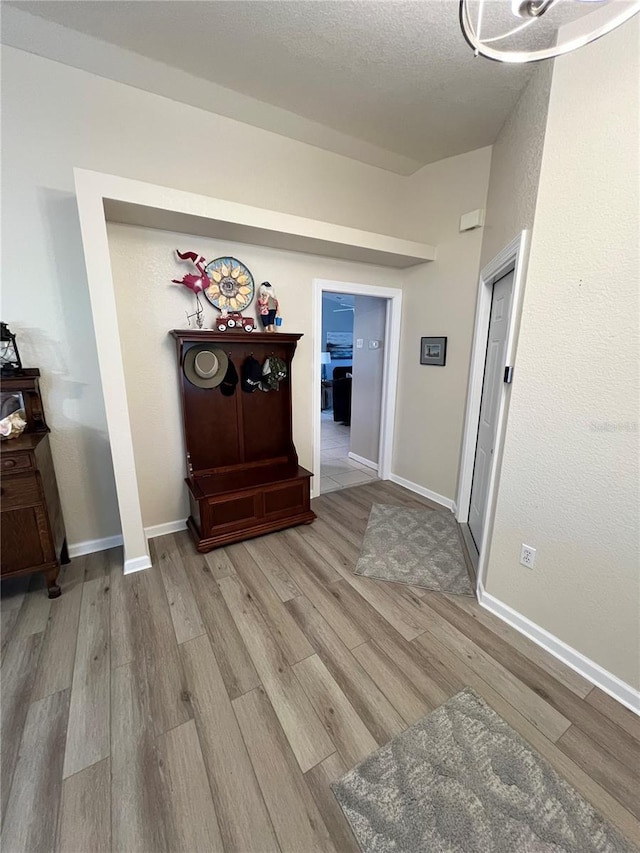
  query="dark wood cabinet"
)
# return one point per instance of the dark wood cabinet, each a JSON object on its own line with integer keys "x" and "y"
{"x": 32, "y": 529}
{"x": 243, "y": 475}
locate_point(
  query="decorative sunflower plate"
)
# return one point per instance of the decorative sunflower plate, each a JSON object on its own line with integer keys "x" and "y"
{"x": 231, "y": 285}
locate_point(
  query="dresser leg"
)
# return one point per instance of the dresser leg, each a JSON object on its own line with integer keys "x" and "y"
{"x": 52, "y": 577}
{"x": 64, "y": 554}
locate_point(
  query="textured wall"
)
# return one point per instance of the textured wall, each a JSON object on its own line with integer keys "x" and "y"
{"x": 569, "y": 481}
{"x": 368, "y": 368}
{"x": 439, "y": 299}
{"x": 515, "y": 166}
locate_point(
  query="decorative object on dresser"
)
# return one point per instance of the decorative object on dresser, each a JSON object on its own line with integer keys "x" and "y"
{"x": 33, "y": 537}
{"x": 243, "y": 475}
{"x": 195, "y": 283}
{"x": 268, "y": 307}
{"x": 9, "y": 355}
{"x": 231, "y": 286}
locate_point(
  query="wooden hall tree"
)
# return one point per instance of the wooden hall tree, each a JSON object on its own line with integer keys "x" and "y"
{"x": 243, "y": 475}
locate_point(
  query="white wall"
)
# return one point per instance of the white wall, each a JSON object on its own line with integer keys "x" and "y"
{"x": 143, "y": 264}
{"x": 439, "y": 299}
{"x": 368, "y": 368}
{"x": 56, "y": 117}
{"x": 569, "y": 481}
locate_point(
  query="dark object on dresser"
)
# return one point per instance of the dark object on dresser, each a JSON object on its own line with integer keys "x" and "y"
{"x": 342, "y": 395}
{"x": 242, "y": 467}
{"x": 10, "y": 361}
{"x": 32, "y": 534}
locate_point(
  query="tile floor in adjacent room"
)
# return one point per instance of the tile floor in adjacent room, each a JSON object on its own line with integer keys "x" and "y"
{"x": 337, "y": 470}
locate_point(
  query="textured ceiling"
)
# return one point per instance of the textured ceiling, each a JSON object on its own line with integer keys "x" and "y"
{"x": 398, "y": 75}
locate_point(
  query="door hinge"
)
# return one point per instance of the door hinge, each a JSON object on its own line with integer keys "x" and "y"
{"x": 508, "y": 375}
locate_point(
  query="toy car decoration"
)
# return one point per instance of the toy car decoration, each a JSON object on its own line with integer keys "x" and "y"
{"x": 234, "y": 320}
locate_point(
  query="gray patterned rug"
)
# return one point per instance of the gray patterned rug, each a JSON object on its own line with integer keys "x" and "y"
{"x": 461, "y": 780}
{"x": 414, "y": 546}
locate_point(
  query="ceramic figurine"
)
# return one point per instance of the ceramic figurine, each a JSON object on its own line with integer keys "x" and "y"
{"x": 268, "y": 307}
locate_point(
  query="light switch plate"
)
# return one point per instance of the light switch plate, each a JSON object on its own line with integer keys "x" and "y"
{"x": 374, "y": 344}
{"x": 359, "y": 343}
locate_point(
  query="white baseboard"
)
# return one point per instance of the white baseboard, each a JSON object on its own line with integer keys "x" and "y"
{"x": 367, "y": 462}
{"x": 167, "y": 527}
{"x": 136, "y": 564}
{"x": 90, "y": 546}
{"x": 425, "y": 493}
{"x": 593, "y": 672}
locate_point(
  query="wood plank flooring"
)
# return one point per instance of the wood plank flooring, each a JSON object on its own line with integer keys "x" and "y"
{"x": 207, "y": 704}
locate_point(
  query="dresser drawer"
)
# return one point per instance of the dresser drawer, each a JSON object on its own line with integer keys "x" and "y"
{"x": 18, "y": 491}
{"x": 15, "y": 462}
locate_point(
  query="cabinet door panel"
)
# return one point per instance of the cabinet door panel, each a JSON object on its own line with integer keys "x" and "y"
{"x": 285, "y": 499}
{"x": 233, "y": 513}
{"x": 21, "y": 546}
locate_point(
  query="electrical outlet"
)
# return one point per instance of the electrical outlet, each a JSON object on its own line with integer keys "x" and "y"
{"x": 527, "y": 556}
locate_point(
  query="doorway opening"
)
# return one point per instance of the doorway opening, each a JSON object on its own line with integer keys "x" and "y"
{"x": 356, "y": 342}
{"x": 352, "y": 347}
{"x": 492, "y": 367}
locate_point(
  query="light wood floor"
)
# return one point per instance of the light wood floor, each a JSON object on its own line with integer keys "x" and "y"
{"x": 207, "y": 704}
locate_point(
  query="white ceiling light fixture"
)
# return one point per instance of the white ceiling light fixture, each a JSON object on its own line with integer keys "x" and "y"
{"x": 520, "y": 31}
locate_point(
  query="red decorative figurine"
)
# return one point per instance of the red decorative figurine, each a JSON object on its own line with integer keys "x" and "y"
{"x": 196, "y": 283}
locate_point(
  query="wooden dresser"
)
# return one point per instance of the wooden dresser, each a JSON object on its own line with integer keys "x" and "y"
{"x": 243, "y": 475}
{"x": 32, "y": 530}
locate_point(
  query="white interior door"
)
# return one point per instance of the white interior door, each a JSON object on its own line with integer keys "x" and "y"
{"x": 491, "y": 388}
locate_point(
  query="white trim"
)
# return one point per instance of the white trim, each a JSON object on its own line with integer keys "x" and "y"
{"x": 137, "y": 564}
{"x": 90, "y": 546}
{"x": 367, "y": 462}
{"x": 593, "y": 672}
{"x": 512, "y": 257}
{"x": 393, "y": 295}
{"x": 168, "y": 527}
{"x": 448, "y": 503}
{"x": 93, "y": 227}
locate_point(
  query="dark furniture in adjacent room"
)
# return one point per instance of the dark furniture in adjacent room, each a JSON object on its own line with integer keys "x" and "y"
{"x": 326, "y": 400}
{"x": 32, "y": 533}
{"x": 243, "y": 475}
{"x": 342, "y": 395}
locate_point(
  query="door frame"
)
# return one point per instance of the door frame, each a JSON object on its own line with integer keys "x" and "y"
{"x": 391, "y": 359}
{"x": 512, "y": 257}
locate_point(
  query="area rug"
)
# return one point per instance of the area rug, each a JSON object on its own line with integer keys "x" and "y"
{"x": 461, "y": 780}
{"x": 414, "y": 546}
